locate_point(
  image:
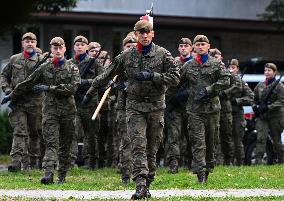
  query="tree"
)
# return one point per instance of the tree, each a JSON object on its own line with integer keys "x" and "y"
{"x": 274, "y": 12}
{"x": 17, "y": 13}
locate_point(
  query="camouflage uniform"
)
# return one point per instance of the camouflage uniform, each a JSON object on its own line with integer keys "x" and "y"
{"x": 23, "y": 117}
{"x": 204, "y": 115}
{"x": 145, "y": 103}
{"x": 224, "y": 140}
{"x": 84, "y": 121}
{"x": 58, "y": 110}
{"x": 240, "y": 95}
{"x": 174, "y": 122}
{"x": 271, "y": 121}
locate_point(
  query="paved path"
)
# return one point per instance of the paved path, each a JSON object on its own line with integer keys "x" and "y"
{"x": 126, "y": 194}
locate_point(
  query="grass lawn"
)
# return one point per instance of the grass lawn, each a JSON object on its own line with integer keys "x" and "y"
{"x": 107, "y": 179}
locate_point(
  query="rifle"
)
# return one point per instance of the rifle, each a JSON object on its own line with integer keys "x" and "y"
{"x": 38, "y": 63}
{"x": 86, "y": 69}
{"x": 267, "y": 95}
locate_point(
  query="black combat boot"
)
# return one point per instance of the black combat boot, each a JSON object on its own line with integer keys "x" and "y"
{"x": 201, "y": 177}
{"x": 125, "y": 180}
{"x": 61, "y": 177}
{"x": 173, "y": 169}
{"x": 15, "y": 166}
{"x": 47, "y": 178}
{"x": 148, "y": 194}
{"x": 206, "y": 175}
{"x": 140, "y": 193}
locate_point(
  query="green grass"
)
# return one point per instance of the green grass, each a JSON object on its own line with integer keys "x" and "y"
{"x": 159, "y": 199}
{"x": 107, "y": 179}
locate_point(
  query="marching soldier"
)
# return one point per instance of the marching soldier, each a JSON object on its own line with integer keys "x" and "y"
{"x": 23, "y": 117}
{"x": 88, "y": 70}
{"x": 59, "y": 81}
{"x": 175, "y": 111}
{"x": 269, "y": 113}
{"x": 205, "y": 79}
{"x": 240, "y": 95}
{"x": 149, "y": 69}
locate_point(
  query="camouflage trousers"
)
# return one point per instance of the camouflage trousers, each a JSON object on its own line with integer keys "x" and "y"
{"x": 86, "y": 131}
{"x": 146, "y": 132}
{"x": 26, "y": 144}
{"x": 203, "y": 129}
{"x": 125, "y": 144}
{"x": 238, "y": 132}
{"x": 225, "y": 137}
{"x": 173, "y": 138}
{"x": 58, "y": 131}
{"x": 275, "y": 126}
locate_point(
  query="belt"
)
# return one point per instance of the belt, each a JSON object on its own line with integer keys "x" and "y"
{"x": 146, "y": 99}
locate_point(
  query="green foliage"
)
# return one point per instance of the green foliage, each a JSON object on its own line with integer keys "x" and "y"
{"x": 5, "y": 133}
{"x": 54, "y": 5}
{"x": 274, "y": 11}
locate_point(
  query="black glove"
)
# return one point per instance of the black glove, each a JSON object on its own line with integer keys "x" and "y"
{"x": 6, "y": 99}
{"x": 180, "y": 98}
{"x": 40, "y": 88}
{"x": 84, "y": 82}
{"x": 144, "y": 75}
{"x": 202, "y": 93}
{"x": 255, "y": 110}
{"x": 86, "y": 99}
{"x": 234, "y": 102}
{"x": 120, "y": 85}
{"x": 222, "y": 94}
{"x": 11, "y": 105}
{"x": 262, "y": 108}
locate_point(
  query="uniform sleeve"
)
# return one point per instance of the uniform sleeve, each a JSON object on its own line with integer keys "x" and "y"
{"x": 115, "y": 68}
{"x": 247, "y": 96}
{"x": 69, "y": 88}
{"x": 5, "y": 78}
{"x": 235, "y": 86}
{"x": 222, "y": 83}
{"x": 171, "y": 76}
{"x": 280, "y": 98}
{"x": 27, "y": 84}
{"x": 256, "y": 95}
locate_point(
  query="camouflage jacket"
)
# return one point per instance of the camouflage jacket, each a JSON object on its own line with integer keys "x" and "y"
{"x": 94, "y": 70}
{"x": 15, "y": 72}
{"x": 275, "y": 102}
{"x": 145, "y": 96}
{"x": 209, "y": 75}
{"x": 240, "y": 94}
{"x": 63, "y": 82}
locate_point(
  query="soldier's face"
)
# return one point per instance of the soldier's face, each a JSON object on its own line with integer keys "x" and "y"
{"x": 58, "y": 51}
{"x": 269, "y": 73}
{"x": 184, "y": 49}
{"x": 145, "y": 38}
{"x": 80, "y": 48}
{"x": 129, "y": 45}
{"x": 234, "y": 69}
{"x": 29, "y": 45}
{"x": 93, "y": 52}
{"x": 201, "y": 47}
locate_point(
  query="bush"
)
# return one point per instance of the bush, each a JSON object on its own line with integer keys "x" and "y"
{"x": 6, "y": 135}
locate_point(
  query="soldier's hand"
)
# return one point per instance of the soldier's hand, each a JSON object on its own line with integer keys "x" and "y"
{"x": 86, "y": 99}
{"x": 120, "y": 85}
{"x": 144, "y": 75}
{"x": 40, "y": 88}
{"x": 201, "y": 94}
{"x": 6, "y": 99}
{"x": 84, "y": 82}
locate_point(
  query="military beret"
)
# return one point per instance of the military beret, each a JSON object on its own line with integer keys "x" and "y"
{"x": 81, "y": 39}
{"x": 185, "y": 41}
{"x": 271, "y": 66}
{"x": 213, "y": 52}
{"x": 57, "y": 41}
{"x": 93, "y": 45}
{"x": 234, "y": 62}
{"x": 131, "y": 34}
{"x": 129, "y": 39}
{"x": 200, "y": 38}
{"x": 143, "y": 24}
{"x": 29, "y": 35}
